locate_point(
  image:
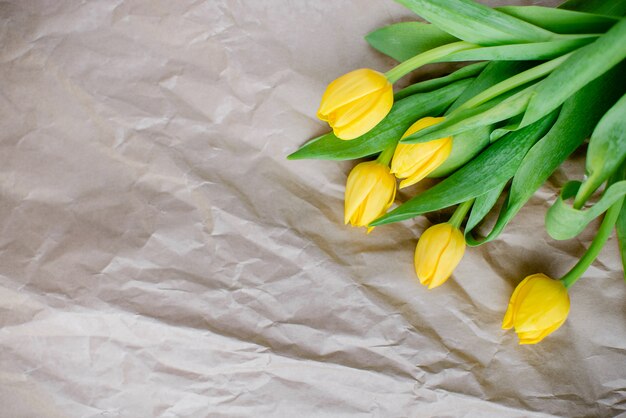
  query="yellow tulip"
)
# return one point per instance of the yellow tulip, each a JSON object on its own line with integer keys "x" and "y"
{"x": 538, "y": 307}
{"x": 356, "y": 102}
{"x": 438, "y": 252}
{"x": 413, "y": 162}
{"x": 370, "y": 191}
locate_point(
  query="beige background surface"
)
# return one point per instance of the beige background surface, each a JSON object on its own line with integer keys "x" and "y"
{"x": 159, "y": 257}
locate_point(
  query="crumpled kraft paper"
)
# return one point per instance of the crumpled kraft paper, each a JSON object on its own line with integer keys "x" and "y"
{"x": 159, "y": 256}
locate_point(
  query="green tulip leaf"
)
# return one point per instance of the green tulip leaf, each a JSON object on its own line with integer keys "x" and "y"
{"x": 578, "y": 70}
{"x": 475, "y": 23}
{"x": 403, "y": 114}
{"x": 565, "y": 222}
{"x": 615, "y": 8}
{"x": 511, "y": 125}
{"x": 483, "y": 205}
{"x": 606, "y": 152}
{"x": 561, "y": 20}
{"x": 404, "y": 40}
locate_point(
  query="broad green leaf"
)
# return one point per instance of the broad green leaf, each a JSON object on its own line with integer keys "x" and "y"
{"x": 520, "y": 52}
{"x": 603, "y": 7}
{"x": 404, "y": 40}
{"x": 576, "y": 121}
{"x": 565, "y": 222}
{"x": 606, "y": 152}
{"x": 561, "y": 20}
{"x": 403, "y": 114}
{"x": 483, "y": 205}
{"x": 475, "y": 23}
{"x": 580, "y": 68}
{"x": 436, "y": 83}
{"x": 487, "y": 171}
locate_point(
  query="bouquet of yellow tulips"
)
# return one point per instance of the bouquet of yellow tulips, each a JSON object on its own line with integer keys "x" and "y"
{"x": 543, "y": 81}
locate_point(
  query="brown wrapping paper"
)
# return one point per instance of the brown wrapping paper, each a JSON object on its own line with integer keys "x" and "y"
{"x": 159, "y": 256}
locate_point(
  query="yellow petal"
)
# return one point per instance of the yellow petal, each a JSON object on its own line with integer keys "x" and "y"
{"x": 449, "y": 259}
{"x": 359, "y": 184}
{"x": 428, "y": 251}
{"x": 377, "y": 201}
{"x": 408, "y": 157}
{"x": 509, "y": 316}
{"x": 537, "y": 336}
{"x": 350, "y": 87}
{"x": 425, "y": 167}
{"x": 545, "y": 304}
{"x": 370, "y": 191}
{"x": 538, "y": 307}
{"x": 364, "y": 116}
{"x": 413, "y": 162}
{"x": 422, "y": 124}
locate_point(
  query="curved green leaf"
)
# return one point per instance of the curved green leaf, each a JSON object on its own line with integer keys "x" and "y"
{"x": 582, "y": 67}
{"x": 603, "y": 7}
{"x": 565, "y": 222}
{"x": 404, "y": 40}
{"x": 561, "y": 20}
{"x": 606, "y": 152}
{"x": 475, "y": 23}
{"x": 482, "y": 205}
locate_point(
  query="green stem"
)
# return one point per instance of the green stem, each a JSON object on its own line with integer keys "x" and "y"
{"x": 585, "y": 191}
{"x": 417, "y": 61}
{"x": 385, "y": 157}
{"x": 460, "y": 212}
{"x": 596, "y": 245}
{"x": 515, "y": 81}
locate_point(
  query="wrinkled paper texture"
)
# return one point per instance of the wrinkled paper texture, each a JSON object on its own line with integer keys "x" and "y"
{"x": 159, "y": 256}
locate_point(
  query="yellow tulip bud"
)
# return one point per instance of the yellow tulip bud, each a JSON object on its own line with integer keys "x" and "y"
{"x": 438, "y": 252}
{"x": 413, "y": 162}
{"x": 356, "y": 102}
{"x": 370, "y": 191}
{"x": 538, "y": 307}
